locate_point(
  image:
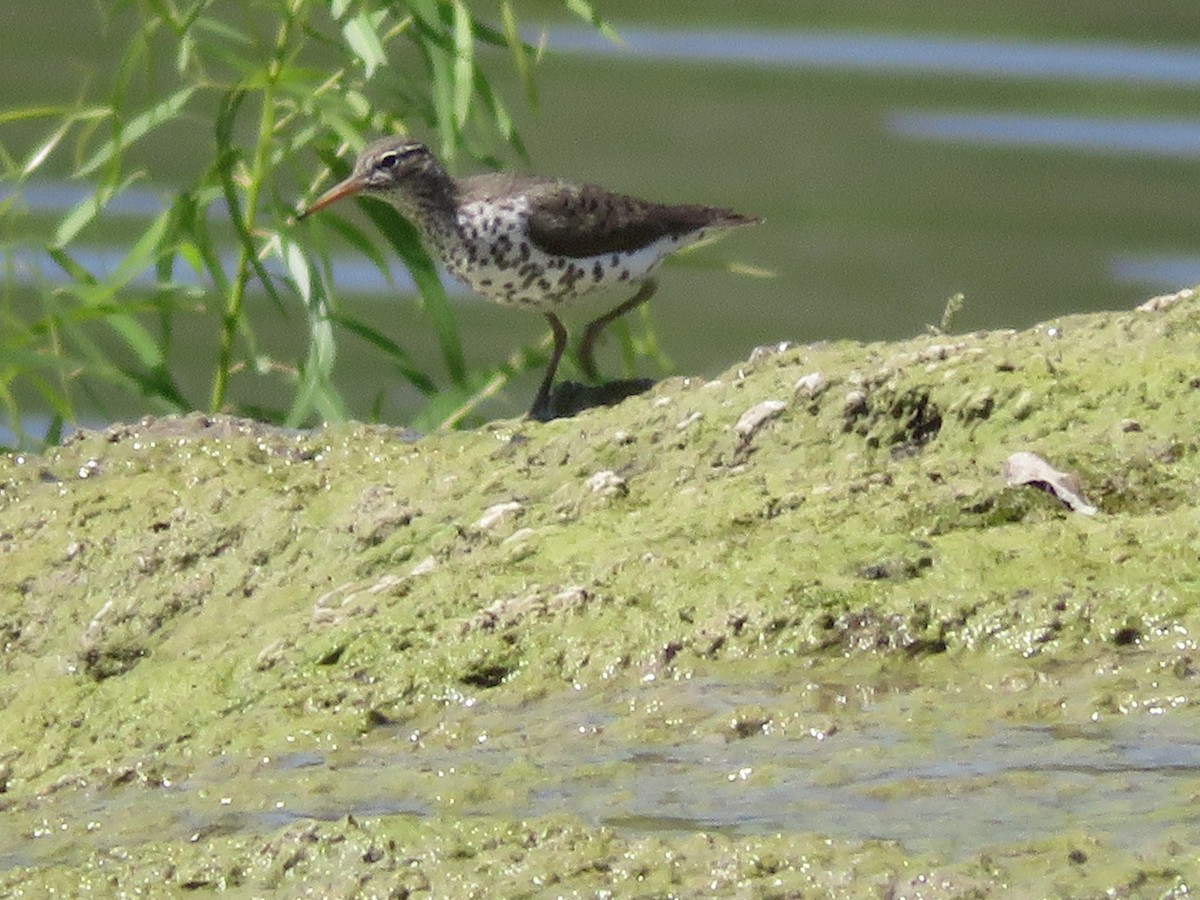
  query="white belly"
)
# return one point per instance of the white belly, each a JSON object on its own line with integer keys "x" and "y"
{"x": 497, "y": 262}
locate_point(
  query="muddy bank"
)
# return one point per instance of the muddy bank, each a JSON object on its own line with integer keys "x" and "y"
{"x": 790, "y": 629}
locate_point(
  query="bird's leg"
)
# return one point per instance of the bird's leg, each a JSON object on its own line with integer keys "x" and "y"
{"x": 586, "y": 352}
{"x": 542, "y": 400}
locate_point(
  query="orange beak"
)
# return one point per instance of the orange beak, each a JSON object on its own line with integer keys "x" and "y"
{"x": 347, "y": 188}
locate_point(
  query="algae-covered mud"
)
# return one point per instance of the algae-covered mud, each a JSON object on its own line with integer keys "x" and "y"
{"x": 790, "y": 632}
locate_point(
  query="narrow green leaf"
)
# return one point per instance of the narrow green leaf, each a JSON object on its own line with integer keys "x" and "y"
{"x": 61, "y": 327}
{"x": 212, "y": 27}
{"x": 192, "y": 16}
{"x": 54, "y": 431}
{"x": 138, "y": 127}
{"x": 228, "y": 155}
{"x": 298, "y": 267}
{"x": 464, "y": 64}
{"x": 324, "y": 347}
{"x": 399, "y": 356}
{"x": 55, "y": 398}
{"x": 442, "y": 87}
{"x": 449, "y": 407}
{"x": 31, "y": 112}
{"x": 28, "y": 360}
{"x": 584, "y": 10}
{"x": 520, "y": 55}
{"x": 142, "y": 255}
{"x": 499, "y": 113}
{"x": 38, "y": 156}
{"x": 76, "y": 220}
{"x": 355, "y": 236}
{"x": 139, "y": 340}
{"x": 184, "y": 53}
{"x": 439, "y": 53}
{"x": 87, "y": 209}
{"x": 75, "y": 271}
{"x": 425, "y": 11}
{"x": 199, "y": 250}
{"x": 315, "y": 392}
{"x": 157, "y": 383}
{"x": 362, "y": 37}
{"x": 404, "y": 240}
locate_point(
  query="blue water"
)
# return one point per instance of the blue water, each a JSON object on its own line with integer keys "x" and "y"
{"x": 1100, "y": 61}
{"x": 1128, "y": 135}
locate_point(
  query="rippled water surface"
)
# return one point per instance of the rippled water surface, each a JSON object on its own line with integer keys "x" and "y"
{"x": 931, "y": 776}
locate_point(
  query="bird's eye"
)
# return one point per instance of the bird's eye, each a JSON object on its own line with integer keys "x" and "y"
{"x": 389, "y": 160}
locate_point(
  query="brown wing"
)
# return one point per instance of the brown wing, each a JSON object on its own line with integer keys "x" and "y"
{"x": 580, "y": 220}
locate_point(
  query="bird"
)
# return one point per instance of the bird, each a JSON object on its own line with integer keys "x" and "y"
{"x": 531, "y": 242}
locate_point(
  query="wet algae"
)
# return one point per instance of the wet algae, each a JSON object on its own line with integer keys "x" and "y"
{"x": 355, "y": 662}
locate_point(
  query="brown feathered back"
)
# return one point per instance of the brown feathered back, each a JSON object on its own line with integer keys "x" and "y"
{"x": 580, "y": 220}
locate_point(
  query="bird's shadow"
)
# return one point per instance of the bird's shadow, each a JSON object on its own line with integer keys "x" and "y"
{"x": 569, "y": 398}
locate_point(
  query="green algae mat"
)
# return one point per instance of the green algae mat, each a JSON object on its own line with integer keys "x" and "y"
{"x": 797, "y": 631}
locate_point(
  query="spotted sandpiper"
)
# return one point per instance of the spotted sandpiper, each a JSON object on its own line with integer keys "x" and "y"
{"x": 532, "y": 243}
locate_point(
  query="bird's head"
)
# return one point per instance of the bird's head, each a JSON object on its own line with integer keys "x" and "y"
{"x": 399, "y": 170}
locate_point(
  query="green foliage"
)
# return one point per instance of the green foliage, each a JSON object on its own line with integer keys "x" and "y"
{"x": 241, "y": 94}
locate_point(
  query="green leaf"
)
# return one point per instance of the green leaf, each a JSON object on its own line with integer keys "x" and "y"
{"x": 439, "y": 54}
{"x": 316, "y": 392}
{"x": 77, "y": 219}
{"x": 298, "y": 267}
{"x": 104, "y": 294}
{"x": 157, "y": 383}
{"x": 520, "y": 53}
{"x": 198, "y": 249}
{"x": 399, "y": 356}
{"x": 584, "y": 10}
{"x": 87, "y": 209}
{"x": 38, "y": 156}
{"x": 404, "y": 240}
{"x": 500, "y": 115}
{"x": 138, "y": 127}
{"x": 355, "y": 236}
{"x": 185, "y": 53}
{"x": 142, "y": 255}
{"x": 228, "y": 155}
{"x": 138, "y": 339}
{"x": 213, "y": 27}
{"x": 28, "y": 360}
{"x": 67, "y": 263}
{"x": 464, "y": 64}
{"x": 362, "y": 36}
{"x": 31, "y": 112}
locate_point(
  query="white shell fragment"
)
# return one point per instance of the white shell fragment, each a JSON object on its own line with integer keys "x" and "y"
{"x": 756, "y": 416}
{"x": 424, "y": 567}
{"x": 1024, "y": 467}
{"x": 811, "y": 386}
{"x": 608, "y": 483}
{"x": 497, "y": 513}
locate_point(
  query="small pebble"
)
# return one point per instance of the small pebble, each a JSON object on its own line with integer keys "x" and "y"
{"x": 756, "y": 416}
{"x": 497, "y": 513}
{"x": 608, "y": 483}
{"x": 811, "y": 386}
